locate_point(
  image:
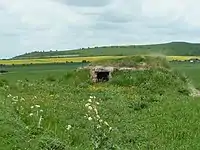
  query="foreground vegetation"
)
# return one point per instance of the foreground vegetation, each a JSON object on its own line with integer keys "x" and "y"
{"x": 169, "y": 49}
{"x": 61, "y": 109}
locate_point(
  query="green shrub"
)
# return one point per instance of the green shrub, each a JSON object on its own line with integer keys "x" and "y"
{"x": 84, "y": 61}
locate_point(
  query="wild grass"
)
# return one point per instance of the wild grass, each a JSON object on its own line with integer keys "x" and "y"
{"x": 191, "y": 70}
{"x": 148, "y": 109}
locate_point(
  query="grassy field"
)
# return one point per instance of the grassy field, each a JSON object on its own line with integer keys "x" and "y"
{"x": 19, "y": 72}
{"x": 37, "y": 71}
{"x": 192, "y": 70}
{"x": 52, "y": 107}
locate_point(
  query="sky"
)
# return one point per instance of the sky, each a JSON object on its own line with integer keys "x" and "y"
{"x": 37, "y": 25}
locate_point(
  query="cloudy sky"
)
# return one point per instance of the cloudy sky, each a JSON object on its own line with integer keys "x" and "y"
{"x": 29, "y": 25}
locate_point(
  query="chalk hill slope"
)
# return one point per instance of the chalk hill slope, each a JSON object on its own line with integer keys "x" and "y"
{"x": 172, "y": 49}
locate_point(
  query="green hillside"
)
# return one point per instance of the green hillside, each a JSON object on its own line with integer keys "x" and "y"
{"x": 173, "y": 49}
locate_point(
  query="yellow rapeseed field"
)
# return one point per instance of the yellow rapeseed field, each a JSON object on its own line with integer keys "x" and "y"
{"x": 56, "y": 60}
{"x": 181, "y": 58}
{"x": 78, "y": 59}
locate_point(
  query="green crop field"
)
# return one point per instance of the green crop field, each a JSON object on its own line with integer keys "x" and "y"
{"x": 192, "y": 70}
{"x": 55, "y": 107}
{"x": 37, "y": 71}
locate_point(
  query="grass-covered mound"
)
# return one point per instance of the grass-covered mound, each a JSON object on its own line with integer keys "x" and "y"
{"x": 148, "y": 109}
{"x": 135, "y": 62}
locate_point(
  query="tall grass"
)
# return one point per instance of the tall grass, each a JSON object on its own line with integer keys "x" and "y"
{"x": 148, "y": 109}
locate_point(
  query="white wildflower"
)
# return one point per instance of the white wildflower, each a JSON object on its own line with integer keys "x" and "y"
{"x": 88, "y": 104}
{"x": 39, "y": 122}
{"x": 98, "y": 117}
{"x": 96, "y": 111}
{"x": 69, "y": 127}
{"x": 89, "y": 118}
{"x": 91, "y": 97}
{"x": 97, "y": 103}
{"x": 31, "y": 114}
{"x": 86, "y": 115}
{"x": 9, "y": 95}
{"x": 6, "y": 86}
{"x": 38, "y": 106}
{"x": 41, "y": 110}
{"x": 90, "y": 107}
{"x": 110, "y": 128}
{"x": 106, "y": 123}
{"x": 101, "y": 121}
{"x": 32, "y": 107}
{"x": 22, "y": 99}
{"x": 98, "y": 126}
{"x": 15, "y": 99}
{"x": 89, "y": 100}
{"x": 94, "y": 97}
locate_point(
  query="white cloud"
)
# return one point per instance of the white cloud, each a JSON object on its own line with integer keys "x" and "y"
{"x": 172, "y": 10}
{"x": 28, "y": 25}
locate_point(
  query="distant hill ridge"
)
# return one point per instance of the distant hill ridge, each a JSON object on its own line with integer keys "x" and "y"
{"x": 170, "y": 49}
